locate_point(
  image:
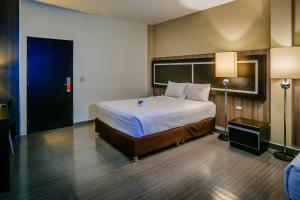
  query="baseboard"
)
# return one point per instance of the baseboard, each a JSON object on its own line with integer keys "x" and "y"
{"x": 279, "y": 147}
{"x": 272, "y": 145}
{"x": 74, "y": 124}
{"x": 219, "y": 130}
{"x": 83, "y": 122}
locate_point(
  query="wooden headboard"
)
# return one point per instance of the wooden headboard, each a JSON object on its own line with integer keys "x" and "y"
{"x": 255, "y": 105}
{"x": 250, "y": 83}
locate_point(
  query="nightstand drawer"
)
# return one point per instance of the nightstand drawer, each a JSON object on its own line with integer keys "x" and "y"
{"x": 245, "y": 137}
{"x": 249, "y": 135}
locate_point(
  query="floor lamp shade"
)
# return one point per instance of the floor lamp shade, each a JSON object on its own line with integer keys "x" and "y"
{"x": 226, "y": 64}
{"x": 285, "y": 62}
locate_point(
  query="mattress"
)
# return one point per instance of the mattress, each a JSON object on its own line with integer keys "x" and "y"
{"x": 158, "y": 114}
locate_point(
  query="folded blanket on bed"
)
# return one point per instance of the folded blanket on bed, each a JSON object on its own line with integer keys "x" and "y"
{"x": 292, "y": 179}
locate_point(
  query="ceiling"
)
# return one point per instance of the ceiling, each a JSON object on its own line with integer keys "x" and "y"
{"x": 144, "y": 11}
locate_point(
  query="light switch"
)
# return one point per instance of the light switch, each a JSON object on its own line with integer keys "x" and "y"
{"x": 81, "y": 78}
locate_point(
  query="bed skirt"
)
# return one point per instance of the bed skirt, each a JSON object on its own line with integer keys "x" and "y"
{"x": 134, "y": 147}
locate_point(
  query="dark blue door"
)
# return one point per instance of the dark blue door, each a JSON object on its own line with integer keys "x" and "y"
{"x": 49, "y": 87}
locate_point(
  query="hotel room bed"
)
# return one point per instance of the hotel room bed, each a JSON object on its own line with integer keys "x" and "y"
{"x": 162, "y": 121}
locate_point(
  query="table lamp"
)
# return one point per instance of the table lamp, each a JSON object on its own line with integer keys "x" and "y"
{"x": 285, "y": 64}
{"x": 226, "y": 67}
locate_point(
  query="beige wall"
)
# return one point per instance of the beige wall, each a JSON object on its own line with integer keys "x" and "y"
{"x": 150, "y": 56}
{"x": 281, "y": 35}
{"x": 281, "y": 23}
{"x": 241, "y": 25}
{"x": 297, "y": 23}
{"x": 296, "y": 88}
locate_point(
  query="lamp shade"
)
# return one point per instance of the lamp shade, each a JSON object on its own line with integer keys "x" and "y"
{"x": 285, "y": 62}
{"x": 226, "y": 64}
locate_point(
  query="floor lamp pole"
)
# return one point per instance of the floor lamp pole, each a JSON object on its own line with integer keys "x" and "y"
{"x": 284, "y": 118}
{"x": 283, "y": 155}
{"x": 224, "y": 136}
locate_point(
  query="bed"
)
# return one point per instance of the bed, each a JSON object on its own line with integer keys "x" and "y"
{"x": 159, "y": 122}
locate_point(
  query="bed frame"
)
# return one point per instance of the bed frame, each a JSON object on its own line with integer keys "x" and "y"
{"x": 135, "y": 147}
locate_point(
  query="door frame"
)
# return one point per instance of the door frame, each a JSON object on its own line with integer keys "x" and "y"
{"x": 27, "y": 80}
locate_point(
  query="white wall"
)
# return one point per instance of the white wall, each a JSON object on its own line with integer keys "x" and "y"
{"x": 110, "y": 53}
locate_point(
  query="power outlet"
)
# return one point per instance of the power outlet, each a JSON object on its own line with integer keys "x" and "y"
{"x": 238, "y": 107}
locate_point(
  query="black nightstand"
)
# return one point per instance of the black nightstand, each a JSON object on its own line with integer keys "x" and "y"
{"x": 249, "y": 135}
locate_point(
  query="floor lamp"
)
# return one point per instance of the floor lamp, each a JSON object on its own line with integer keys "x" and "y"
{"x": 226, "y": 67}
{"x": 285, "y": 64}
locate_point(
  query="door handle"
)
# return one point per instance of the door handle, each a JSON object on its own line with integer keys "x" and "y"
{"x": 68, "y": 85}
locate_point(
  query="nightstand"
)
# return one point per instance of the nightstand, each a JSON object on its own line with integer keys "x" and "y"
{"x": 249, "y": 135}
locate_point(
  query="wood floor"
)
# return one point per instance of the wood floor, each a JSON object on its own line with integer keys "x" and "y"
{"x": 74, "y": 163}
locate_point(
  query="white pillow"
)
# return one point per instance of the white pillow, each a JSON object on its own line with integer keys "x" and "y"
{"x": 175, "y": 90}
{"x": 198, "y": 92}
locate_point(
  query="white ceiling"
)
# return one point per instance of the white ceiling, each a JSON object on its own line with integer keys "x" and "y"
{"x": 144, "y": 11}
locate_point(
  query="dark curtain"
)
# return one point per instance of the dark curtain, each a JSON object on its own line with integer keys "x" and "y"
{"x": 9, "y": 56}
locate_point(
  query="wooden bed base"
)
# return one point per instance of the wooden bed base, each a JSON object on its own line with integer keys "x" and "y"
{"x": 135, "y": 147}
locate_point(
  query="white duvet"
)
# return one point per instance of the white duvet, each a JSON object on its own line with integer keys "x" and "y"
{"x": 159, "y": 114}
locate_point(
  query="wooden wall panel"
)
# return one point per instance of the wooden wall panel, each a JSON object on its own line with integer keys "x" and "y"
{"x": 252, "y": 108}
{"x": 296, "y": 117}
{"x": 9, "y": 55}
